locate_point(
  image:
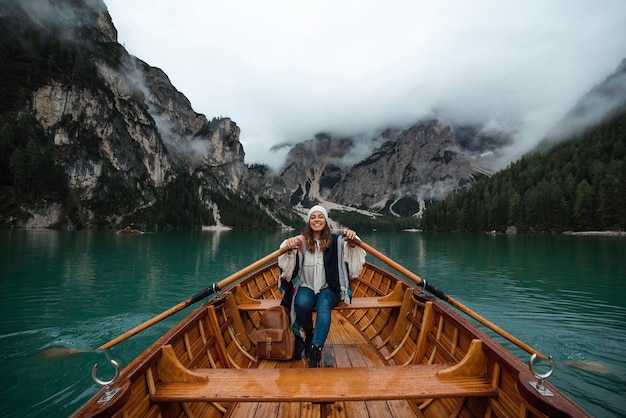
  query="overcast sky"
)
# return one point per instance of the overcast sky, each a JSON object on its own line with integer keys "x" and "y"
{"x": 285, "y": 70}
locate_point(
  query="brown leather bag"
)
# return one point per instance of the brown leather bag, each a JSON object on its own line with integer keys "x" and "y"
{"x": 275, "y": 338}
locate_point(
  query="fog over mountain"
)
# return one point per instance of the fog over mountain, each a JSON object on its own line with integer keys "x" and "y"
{"x": 286, "y": 71}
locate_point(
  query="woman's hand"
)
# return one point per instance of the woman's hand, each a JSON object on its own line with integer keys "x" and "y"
{"x": 349, "y": 235}
{"x": 293, "y": 243}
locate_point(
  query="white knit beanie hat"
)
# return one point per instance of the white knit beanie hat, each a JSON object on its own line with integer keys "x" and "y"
{"x": 317, "y": 208}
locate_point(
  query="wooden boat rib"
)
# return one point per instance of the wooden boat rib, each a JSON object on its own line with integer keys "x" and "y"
{"x": 394, "y": 352}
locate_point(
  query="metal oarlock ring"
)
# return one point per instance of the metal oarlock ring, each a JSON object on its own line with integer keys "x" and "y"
{"x": 539, "y": 385}
{"x": 110, "y": 392}
{"x": 546, "y": 374}
{"x": 94, "y": 374}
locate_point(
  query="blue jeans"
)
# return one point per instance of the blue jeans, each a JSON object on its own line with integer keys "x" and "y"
{"x": 324, "y": 302}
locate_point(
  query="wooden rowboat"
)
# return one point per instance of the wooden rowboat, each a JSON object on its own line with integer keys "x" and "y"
{"x": 395, "y": 351}
{"x": 130, "y": 231}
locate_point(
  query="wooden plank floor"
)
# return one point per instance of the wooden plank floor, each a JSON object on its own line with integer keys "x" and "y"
{"x": 345, "y": 347}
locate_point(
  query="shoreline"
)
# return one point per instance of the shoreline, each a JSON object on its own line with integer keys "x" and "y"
{"x": 598, "y": 233}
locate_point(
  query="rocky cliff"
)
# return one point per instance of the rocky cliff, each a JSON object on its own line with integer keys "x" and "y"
{"x": 120, "y": 130}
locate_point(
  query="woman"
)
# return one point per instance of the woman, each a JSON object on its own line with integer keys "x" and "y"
{"x": 318, "y": 270}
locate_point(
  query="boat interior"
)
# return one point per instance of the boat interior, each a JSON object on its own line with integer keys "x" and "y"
{"x": 393, "y": 352}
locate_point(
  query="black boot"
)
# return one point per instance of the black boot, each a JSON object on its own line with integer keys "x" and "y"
{"x": 308, "y": 339}
{"x": 314, "y": 357}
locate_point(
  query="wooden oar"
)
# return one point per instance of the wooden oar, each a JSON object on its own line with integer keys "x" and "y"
{"x": 440, "y": 294}
{"x": 54, "y": 352}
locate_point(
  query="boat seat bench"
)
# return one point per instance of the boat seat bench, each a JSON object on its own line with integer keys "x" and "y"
{"x": 323, "y": 385}
{"x": 466, "y": 378}
{"x": 357, "y": 303}
{"x": 392, "y": 300}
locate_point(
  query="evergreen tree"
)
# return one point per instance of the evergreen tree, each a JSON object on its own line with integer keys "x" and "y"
{"x": 583, "y": 206}
{"x": 578, "y": 184}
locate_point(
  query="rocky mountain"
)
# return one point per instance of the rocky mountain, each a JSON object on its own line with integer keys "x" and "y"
{"x": 406, "y": 169}
{"x": 92, "y": 136}
{"x": 121, "y": 132}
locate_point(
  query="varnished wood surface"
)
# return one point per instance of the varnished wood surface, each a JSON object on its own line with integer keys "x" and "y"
{"x": 340, "y": 382}
{"x": 323, "y": 385}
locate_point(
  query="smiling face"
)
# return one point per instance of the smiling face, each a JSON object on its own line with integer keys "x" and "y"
{"x": 317, "y": 223}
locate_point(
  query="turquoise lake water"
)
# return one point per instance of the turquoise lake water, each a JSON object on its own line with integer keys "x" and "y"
{"x": 563, "y": 295}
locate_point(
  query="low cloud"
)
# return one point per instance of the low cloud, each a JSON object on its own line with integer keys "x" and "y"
{"x": 191, "y": 150}
{"x": 62, "y": 16}
{"x": 599, "y": 102}
{"x": 285, "y": 71}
